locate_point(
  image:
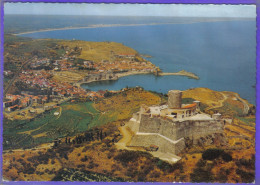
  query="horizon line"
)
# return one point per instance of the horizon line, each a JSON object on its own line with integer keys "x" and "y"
{"x": 237, "y": 17}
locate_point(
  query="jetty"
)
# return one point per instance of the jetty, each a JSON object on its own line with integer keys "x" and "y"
{"x": 180, "y": 73}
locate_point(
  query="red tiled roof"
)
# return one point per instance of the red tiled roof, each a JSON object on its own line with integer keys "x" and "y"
{"x": 190, "y": 106}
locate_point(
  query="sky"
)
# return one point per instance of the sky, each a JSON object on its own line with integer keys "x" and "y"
{"x": 180, "y": 10}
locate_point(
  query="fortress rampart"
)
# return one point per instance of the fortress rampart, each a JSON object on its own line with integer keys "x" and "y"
{"x": 177, "y": 129}
{"x": 169, "y": 135}
{"x": 167, "y": 131}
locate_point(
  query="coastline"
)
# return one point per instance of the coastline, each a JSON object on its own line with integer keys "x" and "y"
{"x": 180, "y": 73}
{"x": 117, "y": 77}
{"x": 115, "y": 25}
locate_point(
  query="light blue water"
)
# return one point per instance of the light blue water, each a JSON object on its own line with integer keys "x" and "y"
{"x": 222, "y": 54}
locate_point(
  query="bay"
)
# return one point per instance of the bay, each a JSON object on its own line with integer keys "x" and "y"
{"x": 222, "y": 54}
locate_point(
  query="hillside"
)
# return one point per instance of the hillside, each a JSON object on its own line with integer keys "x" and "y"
{"x": 227, "y": 103}
{"x": 98, "y": 51}
{"x": 98, "y": 158}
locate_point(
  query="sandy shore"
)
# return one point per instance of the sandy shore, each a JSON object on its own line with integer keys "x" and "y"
{"x": 90, "y": 26}
{"x": 118, "y": 25}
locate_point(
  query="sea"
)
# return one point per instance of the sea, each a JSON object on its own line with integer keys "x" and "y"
{"x": 222, "y": 53}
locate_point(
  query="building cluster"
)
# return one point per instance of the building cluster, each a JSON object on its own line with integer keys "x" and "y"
{"x": 38, "y": 87}
{"x": 14, "y": 102}
{"x": 123, "y": 63}
{"x": 38, "y": 64}
{"x": 41, "y": 89}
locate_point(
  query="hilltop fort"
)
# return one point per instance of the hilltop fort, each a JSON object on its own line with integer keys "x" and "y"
{"x": 165, "y": 127}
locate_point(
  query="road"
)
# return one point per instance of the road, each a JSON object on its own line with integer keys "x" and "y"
{"x": 16, "y": 75}
{"x": 122, "y": 144}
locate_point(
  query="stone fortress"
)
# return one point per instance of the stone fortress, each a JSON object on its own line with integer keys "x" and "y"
{"x": 166, "y": 126}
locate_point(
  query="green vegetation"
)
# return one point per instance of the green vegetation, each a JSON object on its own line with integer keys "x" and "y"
{"x": 247, "y": 177}
{"x": 214, "y": 153}
{"x": 74, "y": 119}
{"x": 126, "y": 156}
{"x": 83, "y": 175}
{"x": 19, "y": 46}
{"x": 249, "y": 121}
{"x": 201, "y": 175}
{"x": 211, "y": 154}
{"x": 230, "y": 109}
{"x": 187, "y": 100}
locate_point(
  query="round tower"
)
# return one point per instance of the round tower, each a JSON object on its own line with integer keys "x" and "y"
{"x": 174, "y": 99}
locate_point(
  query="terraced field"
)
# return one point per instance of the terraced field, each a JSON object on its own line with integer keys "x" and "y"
{"x": 72, "y": 119}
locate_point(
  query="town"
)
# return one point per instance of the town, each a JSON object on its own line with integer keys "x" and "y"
{"x": 41, "y": 83}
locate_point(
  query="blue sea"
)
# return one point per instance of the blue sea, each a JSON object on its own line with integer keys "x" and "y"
{"x": 222, "y": 54}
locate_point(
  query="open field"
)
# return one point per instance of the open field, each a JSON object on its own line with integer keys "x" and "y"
{"x": 98, "y": 51}
{"x": 126, "y": 103}
{"x": 68, "y": 76}
{"x": 74, "y": 118}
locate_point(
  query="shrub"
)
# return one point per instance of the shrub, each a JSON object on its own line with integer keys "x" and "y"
{"x": 81, "y": 166}
{"x": 246, "y": 177}
{"x": 226, "y": 157}
{"x": 30, "y": 170}
{"x": 165, "y": 166}
{"x": 131, "y": 172}
{"x": 155, "y": 174}
{"x": 250, "y": 163}
{"x": 221, "y": 177}
{"x": 211, "y": 154}
{"x": 201, "y": 163}
{"x": 91, "y": 165}
{"x": 201, "y": 175}
{"x": 127, "y": 156}
{"x": 84, "y": 159}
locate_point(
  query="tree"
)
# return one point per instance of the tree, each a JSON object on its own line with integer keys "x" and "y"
{"x": 211, "y": 154}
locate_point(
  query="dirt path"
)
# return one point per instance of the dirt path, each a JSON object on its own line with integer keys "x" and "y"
{"x": 127, "y": 135}
{"x": 43, "y": 146}
{"x": 246, "y": 107}
{"x": 220, "y": 103}
{"x": 16, "y": 75}
{"x": 59, "y": 113}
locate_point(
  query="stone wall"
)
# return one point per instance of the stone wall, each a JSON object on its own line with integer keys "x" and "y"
{"x": 169, "y": 135}
{"x": 148, "y": 124}
{"x": 165, "y": 146}
{"x": 177, "y": 129}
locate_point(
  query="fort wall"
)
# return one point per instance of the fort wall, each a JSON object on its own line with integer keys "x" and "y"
{"x": 169, "y": 134}
{"x": 167, "y": 126}
{"x": 177, "y": 129}
{"x": 165, "y": 145}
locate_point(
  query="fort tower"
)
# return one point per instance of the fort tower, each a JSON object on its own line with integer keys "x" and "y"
{"x": 174, "y": 99}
